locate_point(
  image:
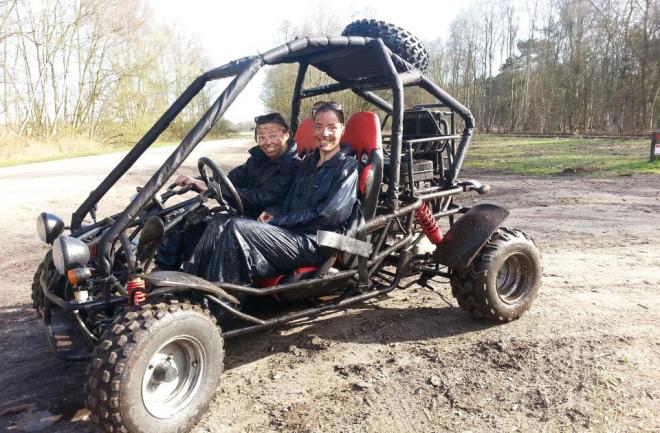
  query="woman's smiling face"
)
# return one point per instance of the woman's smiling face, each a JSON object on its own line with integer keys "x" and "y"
{"x": 328, "y": 130}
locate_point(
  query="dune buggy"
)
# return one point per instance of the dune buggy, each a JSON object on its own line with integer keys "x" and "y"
{"x": 154, "y": 339}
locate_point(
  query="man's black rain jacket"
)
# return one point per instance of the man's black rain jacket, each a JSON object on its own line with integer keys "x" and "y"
{"x": 263, "y": 182}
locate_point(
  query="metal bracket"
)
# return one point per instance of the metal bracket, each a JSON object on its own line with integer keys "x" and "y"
{"x": 343, "y": 243}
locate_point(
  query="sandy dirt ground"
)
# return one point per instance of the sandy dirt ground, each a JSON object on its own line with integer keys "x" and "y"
{"x": 584, "y": 359}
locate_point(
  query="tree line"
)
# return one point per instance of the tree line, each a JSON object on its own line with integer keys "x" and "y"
{"x": 105, "y": 69}
{"x": 100, "y": 68}
{"x": 545, "y": 66}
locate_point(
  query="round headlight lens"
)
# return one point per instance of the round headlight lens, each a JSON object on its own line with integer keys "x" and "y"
{"x": 58, "y": 256}
{"x": 69, "y": 253}
{"x": 49, "y": 227}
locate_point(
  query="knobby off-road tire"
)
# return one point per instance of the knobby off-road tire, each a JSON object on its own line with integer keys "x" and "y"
{"x": 399, "y": 41}
{"x": 156, "y": 370}
{"x": 37, "y": 292}
{"x": 503, "y": 280}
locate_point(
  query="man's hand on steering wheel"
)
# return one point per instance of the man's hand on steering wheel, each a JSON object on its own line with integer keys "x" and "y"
{"x": 183, "y": 181}
{"x": 214, "y": 182}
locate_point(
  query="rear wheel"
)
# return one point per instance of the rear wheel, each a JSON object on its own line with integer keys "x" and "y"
{"x": 156, "y": 370}
{"x": 503, "y": 280}
{"x": 401, "y": 42}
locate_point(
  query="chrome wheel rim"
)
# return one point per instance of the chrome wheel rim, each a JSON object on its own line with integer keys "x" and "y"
{"x": 173, "y": 376}
{"x": 514, "y": 278}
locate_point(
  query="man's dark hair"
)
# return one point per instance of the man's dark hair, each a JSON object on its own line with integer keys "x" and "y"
{"x": 272, "y": 118}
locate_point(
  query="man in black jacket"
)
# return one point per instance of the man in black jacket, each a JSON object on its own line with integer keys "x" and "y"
{"x": 261, "y": 181}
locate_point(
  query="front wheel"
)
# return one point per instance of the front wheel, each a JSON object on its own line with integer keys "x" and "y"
{"x": 503, "y": 280}
{"x": 156, "y": 370}
{"x": 38, "y": 301}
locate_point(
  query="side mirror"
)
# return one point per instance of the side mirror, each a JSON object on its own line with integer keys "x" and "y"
{"x": 152, "y": 234}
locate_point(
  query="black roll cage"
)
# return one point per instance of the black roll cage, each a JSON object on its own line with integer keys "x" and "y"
{"x": 305, "y": 52}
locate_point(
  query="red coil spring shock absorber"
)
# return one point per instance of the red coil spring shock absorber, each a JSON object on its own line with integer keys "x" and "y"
{"x": 428, "y": 223}
{"x": 135, "y": 289}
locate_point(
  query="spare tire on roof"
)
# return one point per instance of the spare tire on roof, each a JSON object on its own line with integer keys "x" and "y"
{"x": 401, "y": 42}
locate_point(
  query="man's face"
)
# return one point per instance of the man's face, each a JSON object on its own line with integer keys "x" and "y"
{"x": 328, "y": 130}
{"x": 272, "y": 139}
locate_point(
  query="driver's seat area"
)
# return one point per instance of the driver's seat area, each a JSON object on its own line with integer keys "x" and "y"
{"x": 363, "y": 134}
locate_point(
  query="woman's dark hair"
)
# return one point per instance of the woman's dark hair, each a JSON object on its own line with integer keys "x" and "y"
{"x": 322, "y": 106}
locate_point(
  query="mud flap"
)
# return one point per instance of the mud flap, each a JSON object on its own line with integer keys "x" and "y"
{"x": 64, "y": 336}
{"x": 467, "y": 235}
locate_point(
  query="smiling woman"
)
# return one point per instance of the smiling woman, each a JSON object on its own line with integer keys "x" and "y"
{"x": 328, "y": 129}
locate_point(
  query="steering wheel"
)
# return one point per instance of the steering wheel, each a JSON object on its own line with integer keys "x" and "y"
{"x": 217, "y": 178}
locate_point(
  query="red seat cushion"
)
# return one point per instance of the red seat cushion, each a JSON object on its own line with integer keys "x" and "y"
{"x": 267, "y": 281}
{"x": 277, "y": 279}
{"x": 362, "y": 132}
{"x": 305, "y": 136}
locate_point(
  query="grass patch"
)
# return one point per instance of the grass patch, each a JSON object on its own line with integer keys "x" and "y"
{"x": 15, "y": 150}
{"x": 543, "y": 156}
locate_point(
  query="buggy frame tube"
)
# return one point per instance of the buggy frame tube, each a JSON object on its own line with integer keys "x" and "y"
{"x": 374, "y": 99}
{"x": 381, "y": 220}
{"x": 279, "y": 54}
{"x": 407, "y": 78}
{"x": 134, "y": 154}
{"x": 465, "y": 114}
{"x": 88, "y": 305}
{"x": 397, "y": 120}
{"x": 297, "y": 97}
{"x": 368, "y": 96}
{"x": 310, "y": 312}
{"x": 228, "y": 70}
{"x": 287, "y": 286}
{"x": 199, "y": 131}
{"x": 329, "y": 88}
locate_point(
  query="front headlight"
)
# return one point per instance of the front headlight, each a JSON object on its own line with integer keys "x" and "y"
{"x": 49, "y": 227}
{"x": 69, "y": 253}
